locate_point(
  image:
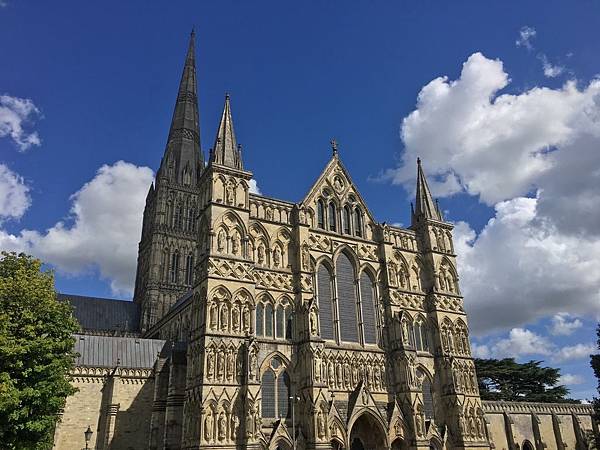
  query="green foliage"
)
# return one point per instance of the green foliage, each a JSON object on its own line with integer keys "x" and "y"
{"x": 595, "y": 363}
{"x": 505, "y": 379}
{"x": 36, "y": 353}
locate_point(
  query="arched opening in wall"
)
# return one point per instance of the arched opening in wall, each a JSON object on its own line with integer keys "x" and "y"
{"x": 346, "y": 220}
{"x": 527, "y": 445}
{"x": 324, "y": 299}
{"x": 332, "y": 217}
{"x": 399, "y": 444}
{"x": 428, "y": 408}
{"x": 346, "y": 294}
{"x": 336, "y": 445}
{"x": 367, "y": 304}
{"x": 358, "y": 222}
{"x": 320, "y": 214}
{"x": 282, "y": 445}
{"x": 367, "y": 434}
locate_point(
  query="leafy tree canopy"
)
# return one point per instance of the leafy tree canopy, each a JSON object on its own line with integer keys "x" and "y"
{"x": 35, "y": 353}
{"x": 505, "y": 379}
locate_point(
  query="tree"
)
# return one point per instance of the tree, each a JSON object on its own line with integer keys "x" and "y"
{"x": 505, "y": 379}
{"x": 595, "y": 363}
{"x": 36, "y": 353}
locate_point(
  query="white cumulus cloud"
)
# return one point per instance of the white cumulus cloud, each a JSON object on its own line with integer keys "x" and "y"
{"x": 253, "y": 187}
{"x": 572, "y": 352}
{"x": 102, "y": 232}
{"x": 15, "y": 114}
{"x": 534, "y": 157}
{"x": 14, "y": 194}
{"x": 550, "y": 70}
{"x": 570, "y": 379}
{"x": 564, "y": 324}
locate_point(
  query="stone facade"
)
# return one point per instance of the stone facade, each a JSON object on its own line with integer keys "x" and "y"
{"x": 307, "y": 324}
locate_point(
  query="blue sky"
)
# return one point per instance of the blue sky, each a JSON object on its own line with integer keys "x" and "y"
{"x": 509, "y": 136}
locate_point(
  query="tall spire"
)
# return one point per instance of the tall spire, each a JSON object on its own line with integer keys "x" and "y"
{"x": 425, "y": 207}
{"x": 226, "y": 152}
{"x": 183, "y": 152}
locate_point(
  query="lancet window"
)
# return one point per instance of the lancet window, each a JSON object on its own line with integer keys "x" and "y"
{"x": 332, "y": 213}
{"x": 346, "y": 220}
{"x": 174, "y": 267}
{"x": 346, "y": 295}
{"x": 325, "y": 300}
{"x": 274, "y": 320}
{"x": 358, "y": 222}
{"x": 367, "y": 302}
{"x": 189, "y": 269}
{"x": 320, "y": 214}
{"x": 275, "y": 387}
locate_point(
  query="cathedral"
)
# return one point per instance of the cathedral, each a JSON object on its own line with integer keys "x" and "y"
{"x": 267, "y": 324}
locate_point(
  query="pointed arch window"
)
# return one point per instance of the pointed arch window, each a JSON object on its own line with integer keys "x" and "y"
{"x": 367, "y": 303}
{"x": 174, "y": 269}
{"x": 268, "y": 401}
{"x": 346, "y": 295}
{"x": 269, "y": 320}
{"x": 320, "y": 214}
{"x": 177, "y": 218}
{"x": 358, "y": 222}
{"x": 325, "y": 302}
{"x": 189, "y": 269}
{"x": 279, "y": 322}
{"x": 283, "y": 395}
{"x": 260, "y": 319}
{"x": 347, "y": 220}
{"x": 289, "y": 318}
{"x": 332, "y": 217}
{"x": 427, "y": 399}
{"x": 421, "y": 335}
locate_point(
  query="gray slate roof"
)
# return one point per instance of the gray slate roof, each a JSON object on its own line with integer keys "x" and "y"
{"x": 104, "y": 314}
{"x": 103, "y": 351}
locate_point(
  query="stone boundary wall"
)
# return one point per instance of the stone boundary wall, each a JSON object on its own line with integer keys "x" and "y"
{"x": 539, "y": 426}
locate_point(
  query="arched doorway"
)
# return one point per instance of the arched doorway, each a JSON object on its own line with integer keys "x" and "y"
{"x": 399, "y": 444}
{"x": 367, "y": 434}
{"x": 282, "y": 444}
{"x": 527, "y": 445}
{"x": 336, "y": 445}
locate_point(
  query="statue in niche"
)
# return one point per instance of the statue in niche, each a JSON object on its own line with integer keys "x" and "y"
{"x": 269, "y": 214}
{"x": 220, "y": 365}
{"x": 234, "y": 426}
{"x": 313, "y": 322}
{"x": 419, "y": 422}
{"x": 249, "y": 424}
{"x": 261, "y": 254}
{"x": 224, "y": 317}
{"x": 377, "y": 379}
{"x": 246, "y": 319}
{"x": 210, "y": 363}
{"x": 213, "y": 316}
{"x": 392, "y": 274}
{"x": 320, "y": 425}
{"x": 347, "y": 375}
{"x": 221, "y": 241}
{"x": 277, "y": 257}
{"x": 229, "y": 192}
{"x": 235, "y": 319}
{"x": 230, "y": 366}
{"x": 208, "y": 424}
{"x": 235, "y": 244}
{"x": 252, "y": 365}
{"x": 302, "y": 216}
{"x": 331, "y": 374}
{"x": 222, "y": 428}
{"x": 306, "y": 259}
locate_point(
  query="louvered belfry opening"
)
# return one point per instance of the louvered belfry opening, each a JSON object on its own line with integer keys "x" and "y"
{"x": 346, "y": 290}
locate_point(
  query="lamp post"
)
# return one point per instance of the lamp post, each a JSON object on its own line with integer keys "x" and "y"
{"x": 294, "y": 399}
{"x": 88, "y": 435}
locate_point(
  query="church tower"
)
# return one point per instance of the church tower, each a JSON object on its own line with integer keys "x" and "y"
{"x": 167, "y": 250}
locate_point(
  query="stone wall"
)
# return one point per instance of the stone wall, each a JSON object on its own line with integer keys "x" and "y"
{"x": 116, "y": 404}
{"x": 529, "y": 426}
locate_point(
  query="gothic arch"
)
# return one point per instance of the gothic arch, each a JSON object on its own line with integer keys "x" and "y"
{"x": 349, "y": 252}
{"x": 369, "y": 417}
{"x": 325, "y": 260}
{"x": 281, "y": 439}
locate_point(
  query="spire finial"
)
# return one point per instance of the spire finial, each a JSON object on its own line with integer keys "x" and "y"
{"x": 425, "y": 207}
{"x": 226, "y": 151}
{"x": 334, "y": 146}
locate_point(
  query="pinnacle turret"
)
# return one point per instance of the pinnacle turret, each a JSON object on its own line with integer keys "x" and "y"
{"x": 425, "y": 207}
{"x": 183, "y": 159}
{"x": 226, "y": 151}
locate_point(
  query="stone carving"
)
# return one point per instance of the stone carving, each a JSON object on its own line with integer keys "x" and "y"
{"x": 344, "y": 370}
